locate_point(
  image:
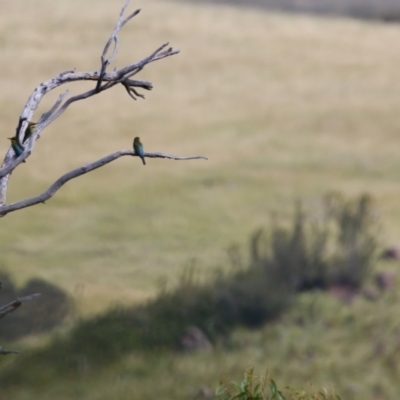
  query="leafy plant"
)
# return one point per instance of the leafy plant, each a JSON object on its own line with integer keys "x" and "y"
{"x": 338, "y": 246}
{"x": 265, "y": 388}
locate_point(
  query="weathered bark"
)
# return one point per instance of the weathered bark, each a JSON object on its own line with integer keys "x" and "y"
{"x": 104, "y": 80}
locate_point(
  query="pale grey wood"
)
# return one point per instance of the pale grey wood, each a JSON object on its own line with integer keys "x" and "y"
{"x": 105, "y": 80}
{"x": 50, "y": 192}
{"x": 10, "y": 307}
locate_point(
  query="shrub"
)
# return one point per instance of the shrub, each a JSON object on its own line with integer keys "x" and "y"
{"x": 339, "y": 247}
{"x": 311, "y": 253}
{"x": 249, "y": 297}
{"x": 265, "y": 388}
{"x": 356, "y": 239}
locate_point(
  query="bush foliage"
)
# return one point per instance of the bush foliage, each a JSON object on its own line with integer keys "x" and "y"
{"x": 265, "y": 388}
{"x": 337, "y": 248}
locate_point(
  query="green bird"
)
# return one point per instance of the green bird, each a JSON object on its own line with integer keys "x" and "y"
{"x": 27, "y": 134}
{"x": 17, "y": 147}
{"x": 138, "y": 147}
{"x": 28, "y": 131}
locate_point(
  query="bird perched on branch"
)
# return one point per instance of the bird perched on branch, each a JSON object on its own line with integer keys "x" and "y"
{"x": 28, "y": 131}
{"x": 17, "y": 147}
{"x": 138, "y": 147}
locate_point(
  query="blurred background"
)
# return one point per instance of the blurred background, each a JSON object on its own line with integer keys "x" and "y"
{"x": 281, "y": 251}
{"x": 387, "y": 10}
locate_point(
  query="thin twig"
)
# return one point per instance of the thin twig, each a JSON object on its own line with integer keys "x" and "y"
{"x": 49, "y": 193}
{"x": 45, "y": 116}
{"x": 10, "y": 307}
{"x": 5, "y": 352}
{"x": 105, "y": 62}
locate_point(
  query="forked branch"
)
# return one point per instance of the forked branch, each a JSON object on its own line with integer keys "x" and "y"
{"x": 104, "y": 80}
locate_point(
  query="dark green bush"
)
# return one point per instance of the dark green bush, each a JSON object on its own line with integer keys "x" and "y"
{"x": 265, "y": 388}
{"x": 357, "y": 243}
{"x": 249, "y": 297}
{"x": 337, "y": 248}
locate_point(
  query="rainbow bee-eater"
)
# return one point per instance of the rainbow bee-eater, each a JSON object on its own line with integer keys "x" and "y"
{"x": 138, "y": 147}
{"x": 27, "y": 134}
{"x": 28, "y": 131}
{"x": 18, "y": 148}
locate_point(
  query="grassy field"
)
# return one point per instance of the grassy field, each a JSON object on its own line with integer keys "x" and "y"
{"x": 284, "y": 106}
{"x": 322, "y": 343}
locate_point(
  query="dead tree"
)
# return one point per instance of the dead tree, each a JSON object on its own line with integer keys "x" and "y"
{"x": 103, "y": 80}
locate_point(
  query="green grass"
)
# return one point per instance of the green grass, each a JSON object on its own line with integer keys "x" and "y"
{"x": 351, "y": 348}
{"x": 284, "y": 107}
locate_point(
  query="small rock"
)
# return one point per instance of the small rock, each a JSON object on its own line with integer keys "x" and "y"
{"x": 346, "y": 293}
{"x": 195, "y": 339}
{"x": 370, "y": 293}
{"x": 205, "y": 393}
{"x": 391, "y": 253}
{"x": 386, "y": 280}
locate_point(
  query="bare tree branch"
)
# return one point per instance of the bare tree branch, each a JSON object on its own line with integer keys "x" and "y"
{"x": 105, "y": 62}
{"x": 10, "y": 307}
{"x": 49, "y": 193}
{"x": 5, "y": 352}
{"x": 104, "y": 81}
{"x": 52, "y": 110}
